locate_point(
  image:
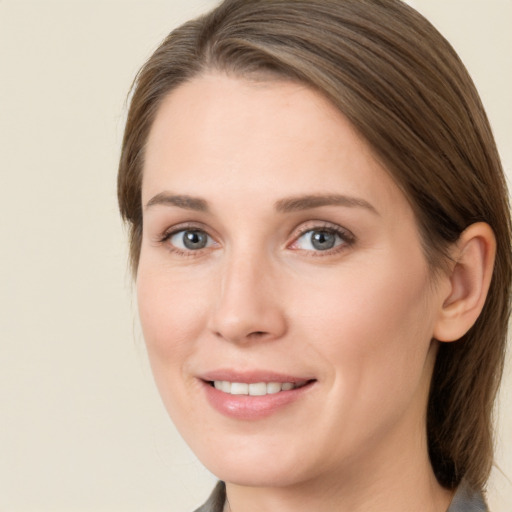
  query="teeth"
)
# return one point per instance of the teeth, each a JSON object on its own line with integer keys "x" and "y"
{"x": 274, "y": 387}
{"x": 254, "y": 389}
{"x": 239, "y": 388}
{"x": 257, "y": 389}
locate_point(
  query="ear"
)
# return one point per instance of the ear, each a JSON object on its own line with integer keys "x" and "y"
{"x": 468, "y": 282}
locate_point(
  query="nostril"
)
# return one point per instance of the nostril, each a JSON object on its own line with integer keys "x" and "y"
{"x": 257, "y": 334}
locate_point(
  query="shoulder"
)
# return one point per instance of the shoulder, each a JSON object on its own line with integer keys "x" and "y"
{"x": 215, "y": 502}
{"x": 467, "y": 499}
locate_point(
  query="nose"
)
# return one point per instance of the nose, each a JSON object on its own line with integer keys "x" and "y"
{"x": 247, "y": 306}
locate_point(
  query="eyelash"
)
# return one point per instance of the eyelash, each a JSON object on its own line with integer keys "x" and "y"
{"x": 167, "y": 235}
{"x": 346, "y": 237}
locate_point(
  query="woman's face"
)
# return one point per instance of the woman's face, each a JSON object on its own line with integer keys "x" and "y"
{"x": 277, "y": 253}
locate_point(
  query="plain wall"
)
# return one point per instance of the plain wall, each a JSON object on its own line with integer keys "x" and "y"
{"x": 81, "y": 424}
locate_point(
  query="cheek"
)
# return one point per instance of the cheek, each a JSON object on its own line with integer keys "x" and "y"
{"x": 374, "y": 327}
{"x": 171, "y": 314}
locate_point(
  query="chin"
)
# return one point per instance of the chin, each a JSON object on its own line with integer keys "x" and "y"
{"x": 255, "y": 466}
{"x": 249, "y": 475}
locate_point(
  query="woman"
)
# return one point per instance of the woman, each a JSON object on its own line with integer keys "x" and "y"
{"x": 321, "y": 241}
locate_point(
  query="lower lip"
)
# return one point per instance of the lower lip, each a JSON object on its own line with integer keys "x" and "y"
{"x": 246, "y": 407}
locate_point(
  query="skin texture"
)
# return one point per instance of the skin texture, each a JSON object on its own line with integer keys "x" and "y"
{"x": 358, "y": 319}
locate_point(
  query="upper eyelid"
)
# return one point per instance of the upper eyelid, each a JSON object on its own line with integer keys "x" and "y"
{"x": 304, "y": 227}
{"x": 186, "y": 226}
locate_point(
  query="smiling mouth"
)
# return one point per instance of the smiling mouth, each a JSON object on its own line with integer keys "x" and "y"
{"x": 256, "y": 388}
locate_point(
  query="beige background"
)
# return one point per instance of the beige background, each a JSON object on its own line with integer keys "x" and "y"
{"x": 81, "y": 425}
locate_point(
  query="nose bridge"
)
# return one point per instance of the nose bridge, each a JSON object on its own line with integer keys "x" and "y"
{"x": 246, "y": 305}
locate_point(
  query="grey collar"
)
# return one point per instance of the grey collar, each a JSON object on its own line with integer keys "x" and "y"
{"x": 467, "y": 499}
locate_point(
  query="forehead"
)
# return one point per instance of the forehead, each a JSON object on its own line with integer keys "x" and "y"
{"x": 223, "y": 133}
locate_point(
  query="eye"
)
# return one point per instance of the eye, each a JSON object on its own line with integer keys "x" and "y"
{"x": 322, "y": 239}
{"x": 190, "y": 240}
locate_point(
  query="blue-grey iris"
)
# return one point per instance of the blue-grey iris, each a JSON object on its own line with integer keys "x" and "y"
{"x": 323, "y": 240}
{"x": 195, "y": 239}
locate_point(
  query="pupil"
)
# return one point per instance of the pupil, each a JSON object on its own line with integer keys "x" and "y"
{"x": 323, "y": 240}
{"x": 194, "y": 239}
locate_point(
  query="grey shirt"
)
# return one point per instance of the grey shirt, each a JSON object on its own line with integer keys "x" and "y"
{"x": 465, "y": 500}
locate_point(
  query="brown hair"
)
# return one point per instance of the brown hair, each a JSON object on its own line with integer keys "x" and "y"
{"x": 406, "y": 91}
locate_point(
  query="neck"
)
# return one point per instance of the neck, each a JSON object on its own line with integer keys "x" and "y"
{"x": 396, "y": 477}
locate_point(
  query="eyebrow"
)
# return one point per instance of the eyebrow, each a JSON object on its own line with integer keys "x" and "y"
{"x": 181, "y": 201}
{"x": 299, "y": 203}
{"x": 286, "y": 205}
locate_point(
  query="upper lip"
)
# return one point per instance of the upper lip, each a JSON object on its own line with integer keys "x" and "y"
{"x": 252, "y": 376}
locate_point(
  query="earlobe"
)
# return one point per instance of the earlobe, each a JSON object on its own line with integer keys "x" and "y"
{"x": 469, "y": 282}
